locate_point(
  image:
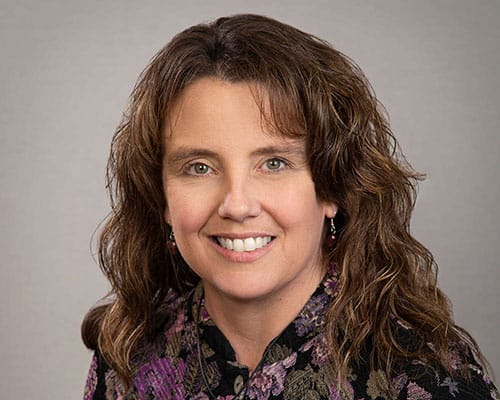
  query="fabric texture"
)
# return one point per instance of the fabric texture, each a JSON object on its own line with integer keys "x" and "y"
{"x": 191, "y": 359}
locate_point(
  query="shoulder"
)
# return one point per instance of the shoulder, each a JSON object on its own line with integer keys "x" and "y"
{"x": 169, "y": 323}
{"x": 172, "y": 312}
{"x": 464, "y": 379}
{"x": 413, "y": 379}
{"x": 419, "y": 381}
{"x": 95, "y": 387}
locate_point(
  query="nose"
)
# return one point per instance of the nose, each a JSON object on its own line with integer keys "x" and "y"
{"x": 240, "y": 200}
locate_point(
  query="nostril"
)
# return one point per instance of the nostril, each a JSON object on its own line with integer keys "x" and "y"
{"x": 238, "y": 206}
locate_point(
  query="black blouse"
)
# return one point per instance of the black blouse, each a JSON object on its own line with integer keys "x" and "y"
{"x": 191, "y": 359}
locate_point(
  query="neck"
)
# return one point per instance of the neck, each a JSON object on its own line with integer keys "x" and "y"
{"x": 250, "y": 325}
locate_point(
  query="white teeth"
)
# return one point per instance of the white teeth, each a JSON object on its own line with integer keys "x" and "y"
{"x": 240, "y": 245}
{"x": 249, "y": 244}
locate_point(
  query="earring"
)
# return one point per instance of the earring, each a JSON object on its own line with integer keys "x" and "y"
{"x": 171, "y": 245}
{"x": 332, "y": 238}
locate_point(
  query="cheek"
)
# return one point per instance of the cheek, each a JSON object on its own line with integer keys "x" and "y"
{"x": 296, "y": 206}
{"x": 186, "y": 212}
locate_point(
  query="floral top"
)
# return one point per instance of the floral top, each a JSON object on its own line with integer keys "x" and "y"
{"x": 191, "y": 359}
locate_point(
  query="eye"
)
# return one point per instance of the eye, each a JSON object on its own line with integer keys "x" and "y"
{"x": 274, "y": 164}
{"x": 199, "y": 169}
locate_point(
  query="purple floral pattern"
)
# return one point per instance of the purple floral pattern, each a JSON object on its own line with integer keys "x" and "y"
{"x": 451, "y": 385}
{"x": 271, "y": 379}
{"x": 91, "y": 380}
{"x": 399, "y": 382}
{"x": 312, "y": 315}
{"x": 415, "y": 392}
{"x": 317, "y": 346}
{"x": 161, "y": 379}
{"x": 295, "y": 366}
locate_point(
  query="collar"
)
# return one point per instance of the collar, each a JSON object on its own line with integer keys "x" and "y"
{"x": 305, "y": 331}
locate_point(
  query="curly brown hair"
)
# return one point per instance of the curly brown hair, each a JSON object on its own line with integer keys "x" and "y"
{"x": 315, "y": 92}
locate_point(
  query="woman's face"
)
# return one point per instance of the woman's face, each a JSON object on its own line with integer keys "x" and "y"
{"x": 241, "y": 201}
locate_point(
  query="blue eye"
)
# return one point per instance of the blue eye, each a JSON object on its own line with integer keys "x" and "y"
{"x": 199, "y": 169}
{"x": 274, "y": 164}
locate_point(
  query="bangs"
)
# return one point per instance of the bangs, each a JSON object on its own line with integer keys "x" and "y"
{"x": 281, "y": 113}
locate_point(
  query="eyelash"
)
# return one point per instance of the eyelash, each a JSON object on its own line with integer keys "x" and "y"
{"x": 190, "y": 168}
{"x": 284, "y": 164}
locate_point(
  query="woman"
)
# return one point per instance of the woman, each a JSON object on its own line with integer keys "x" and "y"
{"x": 258, "y": 245}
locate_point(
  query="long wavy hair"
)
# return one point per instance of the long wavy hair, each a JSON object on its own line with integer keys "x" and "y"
{"x": 315, "y": 92}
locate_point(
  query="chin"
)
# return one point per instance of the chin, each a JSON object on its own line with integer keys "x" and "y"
{"x": 244, "y": 289}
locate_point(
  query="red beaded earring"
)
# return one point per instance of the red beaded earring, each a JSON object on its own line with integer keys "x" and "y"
{"x": 332, "y": 238}
{"x": 171, "y": 245}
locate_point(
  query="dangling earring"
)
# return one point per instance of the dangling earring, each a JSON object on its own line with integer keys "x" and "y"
{"x": 332, "y": 238}
{"x": 171, "y": 245}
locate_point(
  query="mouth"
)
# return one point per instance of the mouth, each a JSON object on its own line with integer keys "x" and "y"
{"x": 243, "y": 244}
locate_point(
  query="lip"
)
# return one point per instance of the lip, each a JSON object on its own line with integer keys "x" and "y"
{"x": 241, "y": 235}
{"x": 244, "y": 256}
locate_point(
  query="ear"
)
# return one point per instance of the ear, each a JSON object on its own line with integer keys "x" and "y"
{"x": 166, "y": 216}
{"x": 331, "y": 210}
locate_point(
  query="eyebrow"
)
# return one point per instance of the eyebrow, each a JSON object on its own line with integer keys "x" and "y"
{"x": 183, "y": 153}
{"x": 294, "y": 149}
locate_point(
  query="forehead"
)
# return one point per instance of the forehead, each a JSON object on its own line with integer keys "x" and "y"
{"x": 212, "y": 104}
{"x": 225, "y": 121}
{"x": 210, "y": 101}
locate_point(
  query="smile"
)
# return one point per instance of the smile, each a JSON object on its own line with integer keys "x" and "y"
{"x": 247, "y": 244}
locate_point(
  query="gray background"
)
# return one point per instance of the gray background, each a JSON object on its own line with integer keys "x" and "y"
{"x": 66, "y": 71}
